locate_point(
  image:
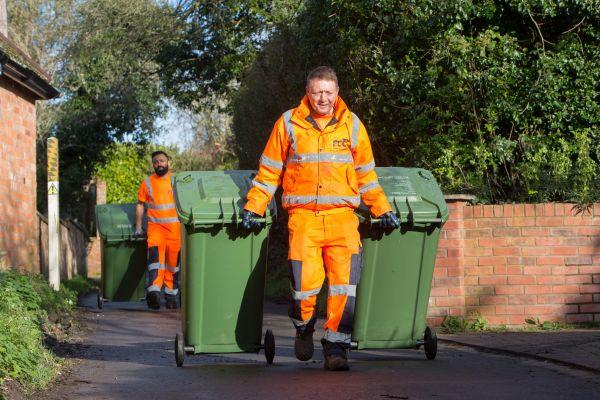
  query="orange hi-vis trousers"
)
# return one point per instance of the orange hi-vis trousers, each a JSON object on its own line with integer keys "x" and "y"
{"x": 163, "y": 261}
{"x": 330, "y": 240}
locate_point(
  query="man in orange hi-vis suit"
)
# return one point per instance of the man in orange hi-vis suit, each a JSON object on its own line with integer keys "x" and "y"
{"x": 164, "y": 236}
{"x": 320, "y": 152}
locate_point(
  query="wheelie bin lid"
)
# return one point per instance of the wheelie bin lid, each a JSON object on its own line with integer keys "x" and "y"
{"x": 414, "y": 195}
{"x": 214, "y": 197}
{"x": 116, "y": 222}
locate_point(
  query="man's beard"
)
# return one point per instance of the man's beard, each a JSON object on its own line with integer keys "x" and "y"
{"x": 160, "y": 171}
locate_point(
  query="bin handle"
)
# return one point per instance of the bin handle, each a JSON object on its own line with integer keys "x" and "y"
{"x": 222, "y": 212}
{"x": 235, "y": 214}
{"x": 398, "y": 210}
{"x": 411, "y": 216}
{"x": 439, "y": 211}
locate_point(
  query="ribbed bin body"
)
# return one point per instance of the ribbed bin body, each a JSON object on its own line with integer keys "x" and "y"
{"x": 393, "y": 293}
{"x": 223, "y": 265}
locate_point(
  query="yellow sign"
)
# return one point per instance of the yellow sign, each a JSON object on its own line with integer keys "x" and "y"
{"x": 52, "y": 188}
{"x": 52, "y": 144}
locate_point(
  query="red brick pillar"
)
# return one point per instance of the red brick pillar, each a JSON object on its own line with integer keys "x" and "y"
{"x": 94, "y": 257}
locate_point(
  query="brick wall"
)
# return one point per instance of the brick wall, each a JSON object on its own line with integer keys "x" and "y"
{"x": 18, "y": 225}
{"x": 517, "y": 261}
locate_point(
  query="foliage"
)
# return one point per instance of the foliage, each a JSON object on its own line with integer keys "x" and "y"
{"x": 457, "y": 324}
{"x": 497, "y": 98}
{"x": 454, "y": 324}
{"x": 124, "y": 168}
{"x": 546, "y": 325}
{"x": 110, "y": 85}
{"x": 219, "y": 40}
{"x": 211, "y": 145}
{"x": 79, "y": 284}
{"x": 25, "y": 302}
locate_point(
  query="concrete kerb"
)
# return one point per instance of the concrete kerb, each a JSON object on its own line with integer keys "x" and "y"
{"x": 490, "y": 348}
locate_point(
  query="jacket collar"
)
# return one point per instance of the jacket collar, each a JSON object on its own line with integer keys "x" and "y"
{"x": 301, "y": 114}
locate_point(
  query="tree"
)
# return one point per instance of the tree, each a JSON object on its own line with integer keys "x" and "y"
{"x": 497, "y": 98}
{"x": 220, "y": 40}
{"x": 124, "y": 167}
{"x": 110, "y": 84}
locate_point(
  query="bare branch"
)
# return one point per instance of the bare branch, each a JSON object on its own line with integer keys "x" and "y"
{"x": 575, "y": 27}
{"x": 539, "y": 31}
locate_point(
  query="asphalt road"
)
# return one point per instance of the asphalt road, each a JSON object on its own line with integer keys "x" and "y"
{"x": 130, "y": 356}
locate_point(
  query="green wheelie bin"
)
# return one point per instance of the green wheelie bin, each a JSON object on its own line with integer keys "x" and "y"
{"x": 123, "y": 255}
{"x": 393, "y": 292}
{"x": 223, "y": 266}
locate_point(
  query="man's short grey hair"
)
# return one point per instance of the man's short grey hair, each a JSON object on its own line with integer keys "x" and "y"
{"x": 323, "y": 73}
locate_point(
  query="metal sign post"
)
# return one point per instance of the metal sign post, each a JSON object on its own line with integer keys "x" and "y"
{"x": 53, "y": 215}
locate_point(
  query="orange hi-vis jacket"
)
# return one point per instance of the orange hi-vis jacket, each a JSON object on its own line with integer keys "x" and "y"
{"x": 157, "y": 192}
{"x": 326, "y": 171}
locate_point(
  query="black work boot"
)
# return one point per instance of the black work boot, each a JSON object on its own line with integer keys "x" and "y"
{"x": 303, "y": 345}
{"x": 336, "y": 358}
{"x": 153, "y": 300}
{"x": 171, "y": 302}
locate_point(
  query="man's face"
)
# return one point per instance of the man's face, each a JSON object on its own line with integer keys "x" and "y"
{"x": 160, "y": 163}
{"x": 322, "y": 95}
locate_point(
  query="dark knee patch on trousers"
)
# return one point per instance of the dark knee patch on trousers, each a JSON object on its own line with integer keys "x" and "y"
{"x": 347, "y": 319}
{"x": 355, "y": 267}
{"x": 295, "y": 273}
{"x": 152, "y": 255}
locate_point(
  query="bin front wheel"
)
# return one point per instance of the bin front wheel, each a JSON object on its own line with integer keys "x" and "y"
{"x": 100, "y": 300}
{"x": 430, "y": 344}
{"x": 179, "y": 350}
{"x": 269, "y": 346}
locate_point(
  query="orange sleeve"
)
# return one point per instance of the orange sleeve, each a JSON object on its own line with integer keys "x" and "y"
{"x": 270, "y": 170}
{"x": 143, "y": 193}
{"x": 371, "y": 192}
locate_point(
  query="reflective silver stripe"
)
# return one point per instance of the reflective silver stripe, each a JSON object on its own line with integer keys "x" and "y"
{"x": 299, "y": 323}
{"x": 153, "y": 266}
{"x": 289, "y": 127}
{"x": 153, "y": 288}
{"x": 337, "y": 336}
{"x": 365, "y": 167}
{"x": 265, "y": 186}
{"x": 149, "y": 186}
{"x": 322, "y": 157}
{"x": 296, "y": 295}
{"x": 368, "y": 186}
{"x": 168, "y": 206}
{"x": 336, "y": 200}
{"x": 269, "y": 162}
{"x": 355, "y": 126}
{"x": 345, "y": 290}
{"x": 163, "y": 220}
{"x": 171, "y": 291}
{"x": 173, "y": 269}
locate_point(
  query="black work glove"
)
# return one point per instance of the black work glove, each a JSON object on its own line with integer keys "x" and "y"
{"x": 250, "y": 219}
{"x": 138, "y": 232}
{"x": 389, "y": 220}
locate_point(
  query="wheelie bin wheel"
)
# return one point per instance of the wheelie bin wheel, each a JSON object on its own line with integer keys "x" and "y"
{"x": 430, "y": 344}
{"x": 269, "y": 346}
{"x": 100, "y": 300}
{"x": 179, "y": 351}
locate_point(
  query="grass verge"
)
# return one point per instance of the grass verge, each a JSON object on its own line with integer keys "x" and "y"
{"x": 29, "y": 314}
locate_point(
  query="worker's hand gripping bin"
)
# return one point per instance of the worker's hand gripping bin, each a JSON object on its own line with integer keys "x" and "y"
{"x": 223, "y": 266}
